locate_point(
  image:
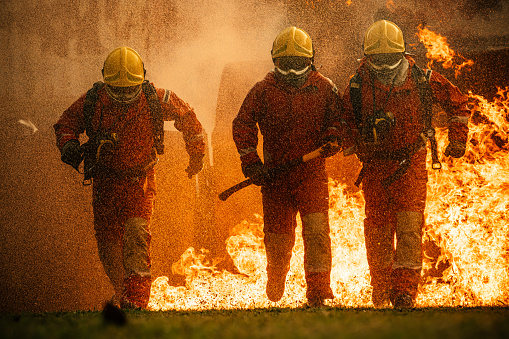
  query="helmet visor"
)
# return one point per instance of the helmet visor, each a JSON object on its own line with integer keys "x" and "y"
{"x": 293, "y": 63}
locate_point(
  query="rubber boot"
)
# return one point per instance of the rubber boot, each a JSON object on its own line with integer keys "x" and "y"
{"x": 137, "y": 292}
{"x": 318, "y": 288}
{"x": 405, "y": 283}
{"x": 381, "y": 284}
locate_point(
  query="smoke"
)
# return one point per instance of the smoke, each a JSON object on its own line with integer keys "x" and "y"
{"x": 218, "y": 32}
{"x": 53, "y": 51}
{"x": 483, "y": 8}
{"x": 465, "y": 17}
{"x": 184, "y": 44}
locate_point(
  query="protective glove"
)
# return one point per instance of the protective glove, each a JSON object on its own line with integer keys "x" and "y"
{"x": 455, "y": 149}
{"x": 331, "y": 146}
{"x": 71, "y": 153}
{"x": 195, "y": 165}
{"x": 258, "y": 173}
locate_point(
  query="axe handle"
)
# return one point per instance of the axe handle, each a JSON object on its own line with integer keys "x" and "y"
{"x": 225, "y": 194}
{"x": 284, "y": 167}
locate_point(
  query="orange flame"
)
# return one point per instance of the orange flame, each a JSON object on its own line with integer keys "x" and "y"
{"x": 438, "y": 49}
{"x": 467, "y": 212}
{"x": 466, "y": 215}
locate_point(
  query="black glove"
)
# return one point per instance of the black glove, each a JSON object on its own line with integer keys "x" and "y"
{"x": 195, "y": 165}
{"x": 455, "y": 149}
{"x": 71, "y": 153}
{"x": 331, "y": 146}
{"x": 258, "y": 173}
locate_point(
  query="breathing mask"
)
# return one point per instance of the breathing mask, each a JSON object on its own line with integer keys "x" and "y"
{"x": 123, "y": 95}
{"x": 293, "y": 70}
{"x": 385, "y": 63}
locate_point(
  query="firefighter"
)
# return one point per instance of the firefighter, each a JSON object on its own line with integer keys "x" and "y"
{"x": 296, "y": 110}
{"x": 388, "y": 105}
{"x": 124, "y": 124}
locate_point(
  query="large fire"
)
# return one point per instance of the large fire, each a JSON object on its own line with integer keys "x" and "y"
{"x": 466, "y": 216}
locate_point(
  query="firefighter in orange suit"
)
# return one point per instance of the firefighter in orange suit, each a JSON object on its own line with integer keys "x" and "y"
{"x": 388, "y": 106}
{"x": 296, "y": 109}
{"x": 121, "y": 129}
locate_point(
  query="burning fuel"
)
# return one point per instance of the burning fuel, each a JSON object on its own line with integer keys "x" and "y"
{"x": 438, "y": 50}
{"x": 466, "y": 215}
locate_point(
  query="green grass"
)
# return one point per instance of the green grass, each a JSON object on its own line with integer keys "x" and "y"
{"x": 446, "y": 323}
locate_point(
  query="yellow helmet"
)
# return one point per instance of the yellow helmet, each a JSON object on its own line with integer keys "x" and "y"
{"x": 292, "y": 41}
{"x": 383, "y": 37}
{"x": 123, "y": 68}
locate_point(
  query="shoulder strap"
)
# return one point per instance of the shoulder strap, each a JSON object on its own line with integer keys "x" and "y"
{"x": 356, "y": 98}
{"x": 425, "y": 94}
{"x": 421, "y": 79}
{"x": 89, "y": 107}
{"x": 157, "y": 117}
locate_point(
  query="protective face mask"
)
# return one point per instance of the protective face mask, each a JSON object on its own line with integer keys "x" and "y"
{"x": 384, "y": 68}
{"x": 292, "y": 71}
{"x": 123, "y": 95}
{"x": 395, "y": 74}
{"x": 292, "y": 77}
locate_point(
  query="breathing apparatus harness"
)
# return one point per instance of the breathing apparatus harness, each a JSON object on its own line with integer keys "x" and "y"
{"x": 379, "y": 124}
{"x": 99, "y": 142}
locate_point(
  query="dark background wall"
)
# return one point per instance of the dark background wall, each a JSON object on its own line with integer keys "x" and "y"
{"x": 209, "y": 53}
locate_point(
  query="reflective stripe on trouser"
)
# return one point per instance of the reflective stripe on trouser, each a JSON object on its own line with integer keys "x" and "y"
{"x": 317, "y": 255}
{"x": 317, "y": 243}
{"x": 408, "y": 261}
{"x": 278, "y": 248}
{"x": 136, "y": 262}
{"x": 136, "y": 248}
{"x": 409, "y": 236}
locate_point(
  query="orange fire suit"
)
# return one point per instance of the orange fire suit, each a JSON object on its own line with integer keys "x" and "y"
{"x": 293, "y": 122}
{"x": 123, "y": 204}
{"x": 395, "y": 267}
